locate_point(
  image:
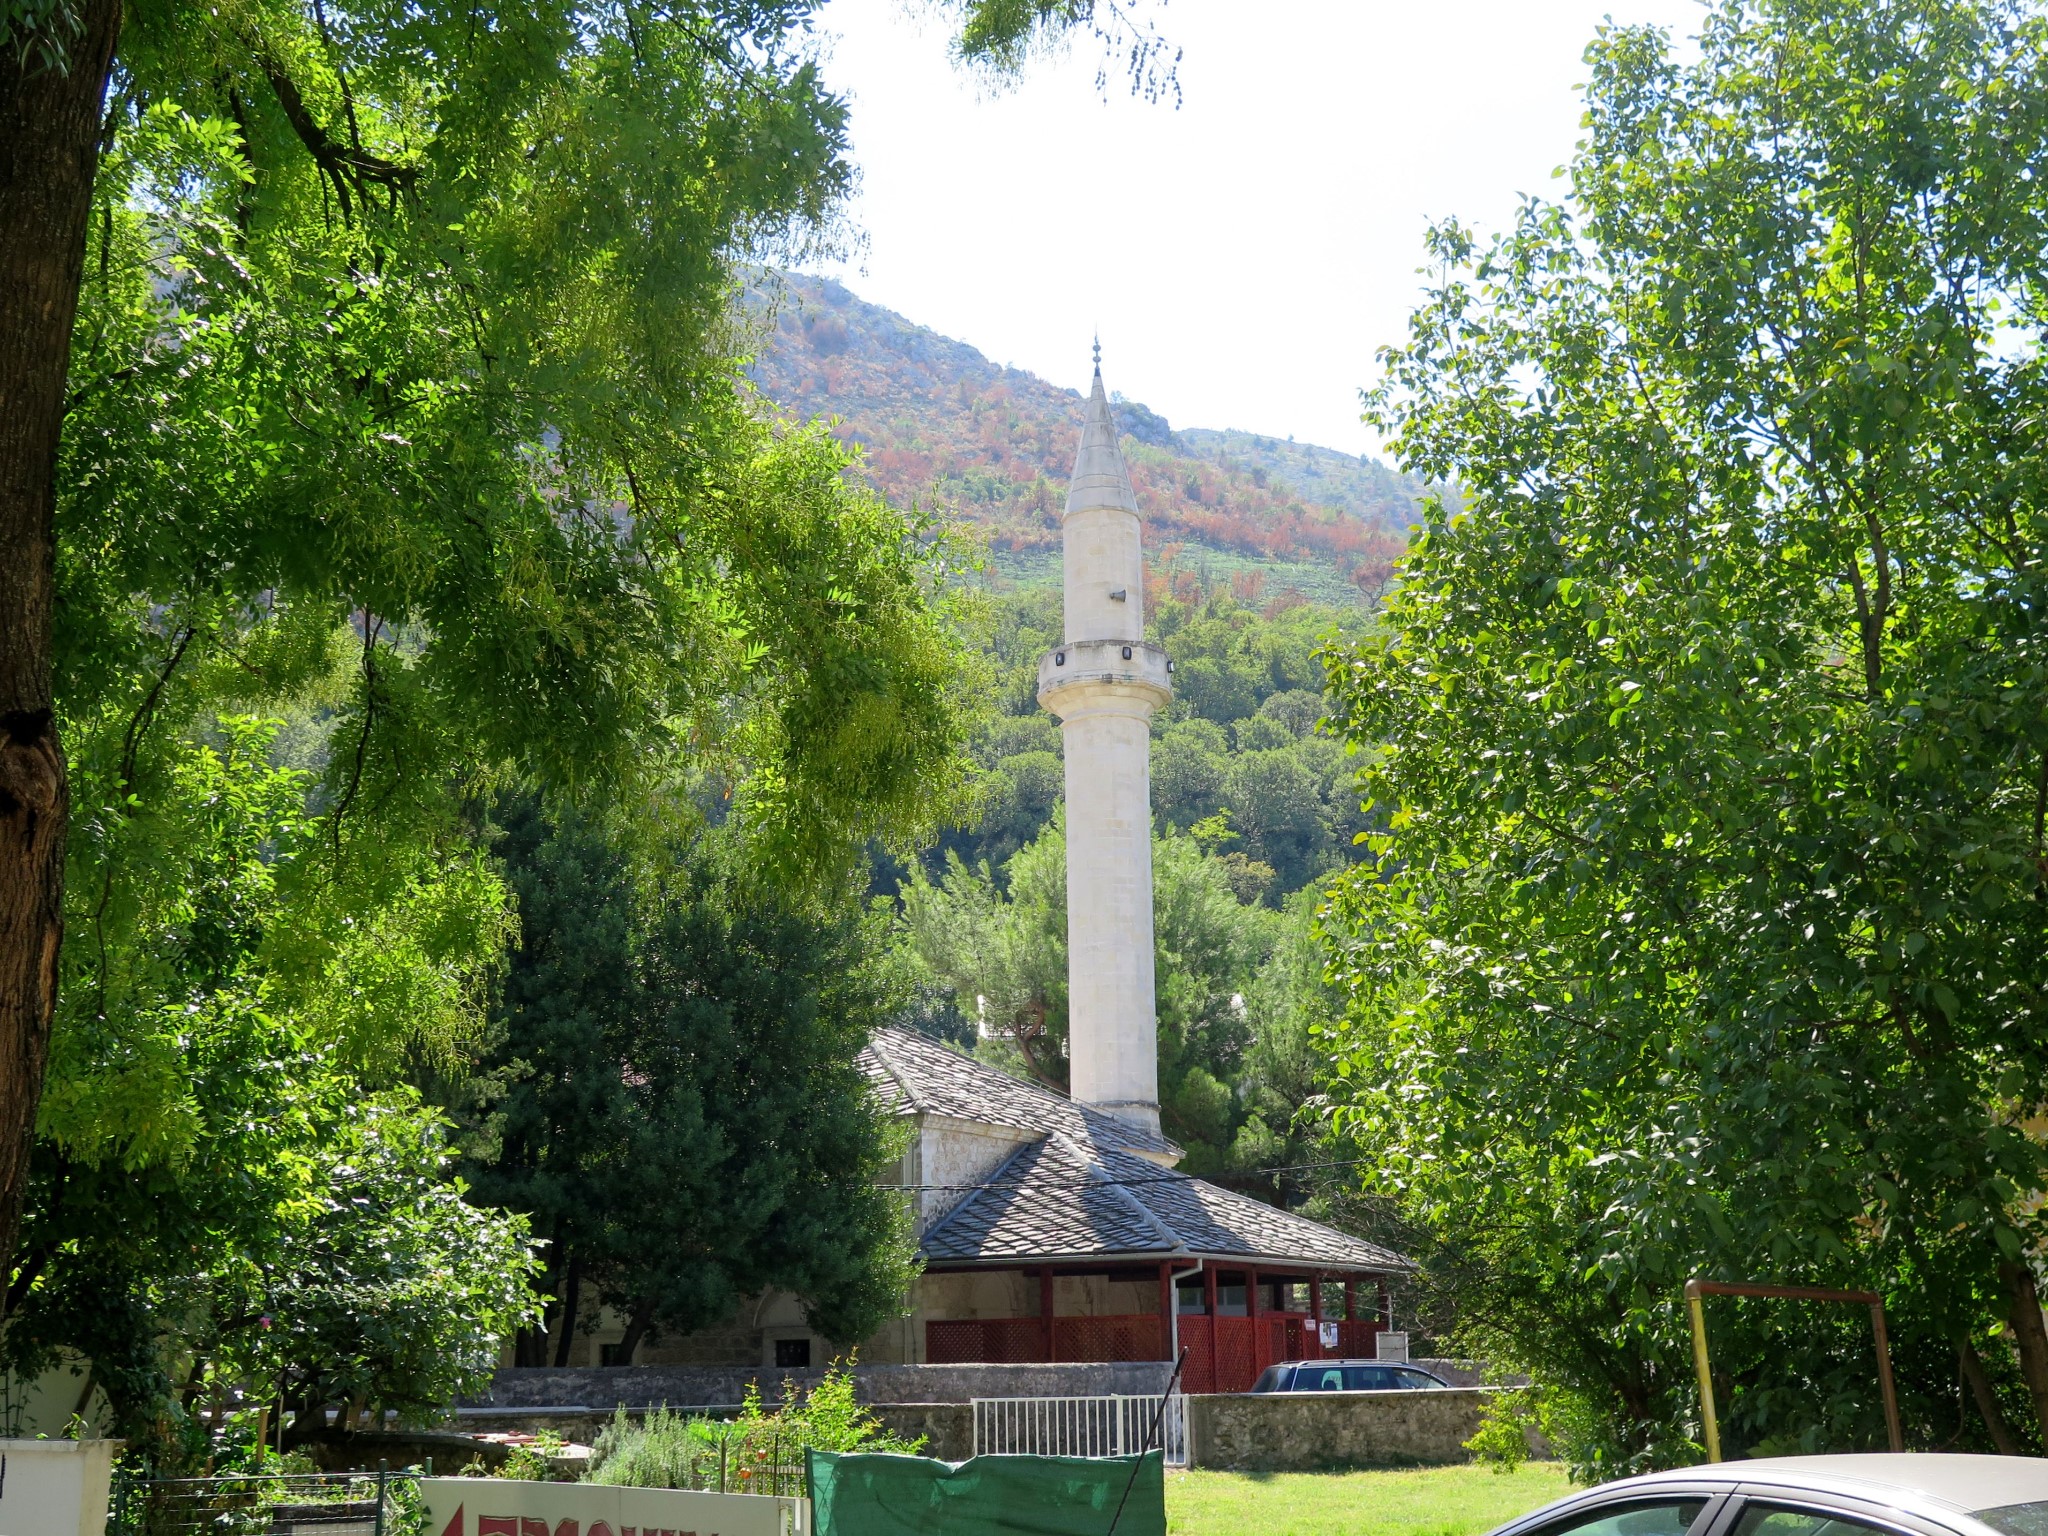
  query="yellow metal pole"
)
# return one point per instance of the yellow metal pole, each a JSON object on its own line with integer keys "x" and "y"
{"x": 1884, "y": 1378}
{"x": 1709, "y": 1428}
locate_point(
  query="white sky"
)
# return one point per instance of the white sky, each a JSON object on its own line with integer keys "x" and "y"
{"x": 1246, "y": 255}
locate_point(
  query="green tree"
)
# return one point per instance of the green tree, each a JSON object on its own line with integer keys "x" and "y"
{"x": 234, "y": 1188}
{"x": 674, "y": 1094}
{"x": 415, "y": 321}
{"x": 390, "y": 1291}
{"x": 554, "y": 1143}
{"x": 1190, "y": 759}
{"x": 1710, "y": 729}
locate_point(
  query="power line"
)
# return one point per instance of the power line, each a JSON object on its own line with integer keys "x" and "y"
{"x": 1163, "y": 1178}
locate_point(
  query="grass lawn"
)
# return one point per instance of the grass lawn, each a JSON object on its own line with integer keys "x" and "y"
{"x": 1428, "y": 1501}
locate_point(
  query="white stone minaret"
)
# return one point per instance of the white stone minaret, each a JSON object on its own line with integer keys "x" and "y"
{"x": 1104, "y": 684}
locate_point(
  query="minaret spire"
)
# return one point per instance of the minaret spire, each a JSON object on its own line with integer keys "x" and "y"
{"x": 1105, "y": 683}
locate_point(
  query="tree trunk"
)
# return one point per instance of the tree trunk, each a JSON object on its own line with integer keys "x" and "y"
{"x": 572, "y": 1295}
{"x": 636, "y": 1330}
{"x": 1987, "y": 1400}
{"x": 2023, "y": 1316}
{"x": 50, "y": 124}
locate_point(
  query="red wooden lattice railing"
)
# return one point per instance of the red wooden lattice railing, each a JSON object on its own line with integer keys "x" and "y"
{"x": 990, "y": 1340}
{"x": 1225, "y": 1354}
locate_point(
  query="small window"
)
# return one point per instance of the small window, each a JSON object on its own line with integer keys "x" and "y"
{"x": 1367, "y": 1378}
{"x": 1415, "y": 1381}
{"x": 793, "y": 1354}
{"x": 1771, "y": 1520}
{"x": 1273, "y": 1379}
{"x": 1230, "y": 1301}
{"x": 1672, "y": 1517}
{"x": 613, "y": 1354}
{"x": 1190, "y": 1298}
{"x": 1312, "y": 1378}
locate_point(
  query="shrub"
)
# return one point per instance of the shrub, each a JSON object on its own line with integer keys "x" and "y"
{"x": 758, "y": 1452}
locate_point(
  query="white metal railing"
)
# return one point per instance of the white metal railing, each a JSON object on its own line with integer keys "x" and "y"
{"x": 1080, "y": 1426}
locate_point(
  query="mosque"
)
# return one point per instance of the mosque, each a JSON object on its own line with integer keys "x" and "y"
{"x": 1055, "y": 1229}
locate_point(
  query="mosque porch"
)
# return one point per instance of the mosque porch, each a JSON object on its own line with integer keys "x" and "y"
{"x": 1233, "y": 1317}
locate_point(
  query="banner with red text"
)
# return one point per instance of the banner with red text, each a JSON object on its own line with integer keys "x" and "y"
{"x": 502, "y": 1506}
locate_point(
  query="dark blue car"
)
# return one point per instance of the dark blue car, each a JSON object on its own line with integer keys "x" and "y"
{"x": 1346, "y": 1376}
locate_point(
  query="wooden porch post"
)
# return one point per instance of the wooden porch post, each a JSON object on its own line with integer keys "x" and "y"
{"x": 1167, "y": 1301}
{"x": 1045, "y": 1309}
{"x": 1251, "y": 1310}
{"x": 1209, "y": 1297}
{"x": 1315, "y": 1316}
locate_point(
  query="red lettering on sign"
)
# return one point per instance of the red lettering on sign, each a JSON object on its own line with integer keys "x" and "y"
{"x": 600, "y": 1528}
{"x": 569, "y": 1528}
{"x": 454, "y": 1526}
{"x": 497, "y": 1525}
{"x": 528, "y": 1526}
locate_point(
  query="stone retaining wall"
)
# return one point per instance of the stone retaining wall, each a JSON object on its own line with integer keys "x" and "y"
{"x": 684, "y": 1386}
{"x": 948, "y": 1428}
{"x": 1309, "y": 1431}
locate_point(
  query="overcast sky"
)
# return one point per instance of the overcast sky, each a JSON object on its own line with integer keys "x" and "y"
{"x": 1245, "y": 255}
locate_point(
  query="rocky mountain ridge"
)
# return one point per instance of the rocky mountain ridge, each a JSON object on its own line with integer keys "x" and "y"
{"x": 944, "y": 426}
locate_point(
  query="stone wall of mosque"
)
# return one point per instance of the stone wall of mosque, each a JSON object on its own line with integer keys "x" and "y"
{"x": 952, "y": 1156}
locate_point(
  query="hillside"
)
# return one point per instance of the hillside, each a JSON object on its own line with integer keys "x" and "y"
{"x": 943, "y": 425}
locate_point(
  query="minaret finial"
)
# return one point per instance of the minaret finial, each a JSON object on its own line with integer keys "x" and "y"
{"x": 1098, "y": 353}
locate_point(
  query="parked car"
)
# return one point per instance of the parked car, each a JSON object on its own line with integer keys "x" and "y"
{"x": 1873, "y": 1495}
{"x": 1351, "y": 1376}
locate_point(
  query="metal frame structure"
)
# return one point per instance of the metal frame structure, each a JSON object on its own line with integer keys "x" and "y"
{"x": 1695, "y": 1289}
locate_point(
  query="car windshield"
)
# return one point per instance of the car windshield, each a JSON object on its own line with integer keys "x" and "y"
{"x": 2017, "y": 1519}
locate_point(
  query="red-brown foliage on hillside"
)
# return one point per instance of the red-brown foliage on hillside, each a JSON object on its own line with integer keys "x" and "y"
{"x": 942, "y": 425}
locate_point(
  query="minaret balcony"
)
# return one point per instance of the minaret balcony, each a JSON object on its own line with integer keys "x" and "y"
{"x": 1133, "y": 669}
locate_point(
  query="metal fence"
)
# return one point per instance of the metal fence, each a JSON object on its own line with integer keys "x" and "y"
{"x": 381, "y": 1503}
{"x": 1080, "y": 1426}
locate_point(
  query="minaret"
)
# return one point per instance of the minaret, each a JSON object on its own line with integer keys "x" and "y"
{"x": 1104, "y": 685}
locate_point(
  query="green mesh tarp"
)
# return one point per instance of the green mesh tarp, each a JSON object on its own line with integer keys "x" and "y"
{"x": 868, "y": 1495}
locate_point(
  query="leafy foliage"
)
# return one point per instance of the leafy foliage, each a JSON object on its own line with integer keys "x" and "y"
{"x": 1240, "y": 741}
{"x": 1000, "y": 37}
{"x": 404, "y": 408}
{"x": 672, "y": 1092}
{"x": 232, "y": 1186}
{"x": 1703, "y": 935}
{"x": 393, "y": 1289}
{"x": 756, "y": 1452}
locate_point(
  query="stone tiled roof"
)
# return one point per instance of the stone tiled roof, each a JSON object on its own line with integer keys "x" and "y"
{"x": 916, "y": 1075}
{"x": 1078, "y": 1189}
{"x": 1051, "y": 1200}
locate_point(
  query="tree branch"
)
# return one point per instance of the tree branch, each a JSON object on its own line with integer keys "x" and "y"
{"x": 345, "y": 166}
